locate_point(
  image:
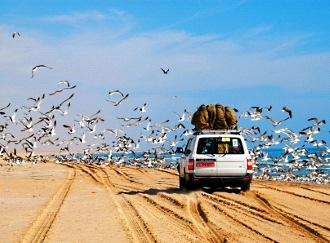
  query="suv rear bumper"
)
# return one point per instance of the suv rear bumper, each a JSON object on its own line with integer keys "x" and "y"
{"x": 221, "y": 181}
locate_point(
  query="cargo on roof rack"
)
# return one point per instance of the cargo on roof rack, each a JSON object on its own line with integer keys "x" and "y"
{"x": 217, "y": 132}
{"x": 214, "y": 116}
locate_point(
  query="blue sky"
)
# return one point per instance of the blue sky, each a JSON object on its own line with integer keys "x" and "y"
{"x": 239, "y": 53}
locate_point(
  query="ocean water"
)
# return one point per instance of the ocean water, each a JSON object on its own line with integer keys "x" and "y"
{"x": 302, "y": 167}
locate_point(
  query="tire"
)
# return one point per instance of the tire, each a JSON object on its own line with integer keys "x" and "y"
{"x": 245, "y": 187}
{"x": 189, "y": 184}
{"x": 182, "y": 183}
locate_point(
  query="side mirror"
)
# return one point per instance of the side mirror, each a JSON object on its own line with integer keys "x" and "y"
{"x": 188, "y": 151}
{"x": 179, "y": 150}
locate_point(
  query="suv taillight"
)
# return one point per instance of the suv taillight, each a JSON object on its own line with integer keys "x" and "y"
{"x": 191, "y": 164}
{"x": 249, "y": 164}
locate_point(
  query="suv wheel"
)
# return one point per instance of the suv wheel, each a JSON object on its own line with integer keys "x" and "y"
{"x": 182, "y": 183}
{"x": 189, "y": 184}
{"x": 245, "y": 187}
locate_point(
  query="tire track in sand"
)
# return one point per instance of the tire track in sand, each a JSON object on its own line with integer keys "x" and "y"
{"x": 125, "y": 176}
{"x": 201, "y": 222}
{"x": 242, "y": 208}
{"x": 121, "y": 183}
{"x": 180, "y": 223}
{"x": 41, "y": 226}
{"x": 298, "y": 195}
{"x": 216, "y": 206}
{"x": 177, "y": 219}
{"x": 133, "y": 224}
{"x": 313, "y": 190}
{"x": 85, "y": 170}
{"x": 302, "y": 219}
{"x": 172, "y": 200}
{"x": 132, "y": 221}
{"x": 137, "y": 227}
{"x": 295, "y": 224}
{"x": 174, "y": 173}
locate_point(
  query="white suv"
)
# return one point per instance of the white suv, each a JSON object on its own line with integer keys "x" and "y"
{"x": 215, "y": 159}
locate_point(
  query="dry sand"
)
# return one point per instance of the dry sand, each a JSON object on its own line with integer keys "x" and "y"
{"x": 84, "y": 203}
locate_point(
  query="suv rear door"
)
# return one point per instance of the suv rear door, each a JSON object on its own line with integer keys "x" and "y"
{"x": 205, "y": 160}
{"x": 231, "y": 158}
{"x": 222, "y": 156}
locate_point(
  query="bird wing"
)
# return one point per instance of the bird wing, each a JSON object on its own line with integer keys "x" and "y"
{"x": 284, "y": 119}
{"x": 65, "y": 82}
{"x": 115, "y": 92}
{"x": 121, "y": 100}
{"x": 5, "y": 107}
{"x": 66, "y": 99}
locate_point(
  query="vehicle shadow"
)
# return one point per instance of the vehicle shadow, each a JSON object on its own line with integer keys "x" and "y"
{"x": 154, "y": 191}
{"x": 177, "y": 190}
{"x": 222, "y": 189}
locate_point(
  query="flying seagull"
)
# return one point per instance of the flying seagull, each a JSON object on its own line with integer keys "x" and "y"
{"x": 274, "y": 122}
{"x": 14, "y": 34}
{"x": 121, "y": 100}
{"x": 286, "y": 109}
{"x": 71, "y": 129}
{"x": 165, "y": 71}
{"x": 5, "y": 107}
{"x": 141, "y": 109}
{"x": 317, "y": 122}
{"x": 126, "y": 119}
{"x": 60, "y": 90}
{"x": 66, "y": 82}
{"x": 116, "y": 92}
{"x": 269, "y": 108}
{"x": 37, "y": 67}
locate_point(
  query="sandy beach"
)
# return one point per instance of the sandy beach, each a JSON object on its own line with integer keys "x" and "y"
{"x": 88, "y": 203}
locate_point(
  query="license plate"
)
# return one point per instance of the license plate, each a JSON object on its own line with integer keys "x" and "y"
{"x": 205, "y": 164}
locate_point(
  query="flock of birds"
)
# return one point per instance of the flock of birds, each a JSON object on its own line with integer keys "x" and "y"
{"x": 39, "y": 125}
{"x": 300, "y": 156}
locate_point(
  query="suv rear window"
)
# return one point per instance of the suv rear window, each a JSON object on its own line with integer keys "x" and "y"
{"x": 220, "y": 145}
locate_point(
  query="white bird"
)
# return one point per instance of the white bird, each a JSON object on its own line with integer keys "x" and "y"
{"x": 165, "y": 71}
{"x": 114, "y": 131}
{"x": 126, "y": 119}
{"x": 66, "y": 82}
{"x": 37, "y": 67}
{"x": 12, "y": 118}
{"x": 286, "y": 109}
{"x": 142, "y": 108}
{"x": 70, "y": 128}
{"x": 60, "y": 90}
{"x": 121, "y": 100}
{"x": 187, "y": 132}
{"x": 274, "y": 122}
{"x": 182, "y": 116}
{"x": 14, "y": 34}
{"x": 147, "y": 128}
{"x": 317, "y": 122}
{"x": 116, "y": 92}
{"x": 92, "y": 130}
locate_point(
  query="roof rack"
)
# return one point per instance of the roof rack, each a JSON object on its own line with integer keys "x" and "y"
{"x": 217, "y": 132}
